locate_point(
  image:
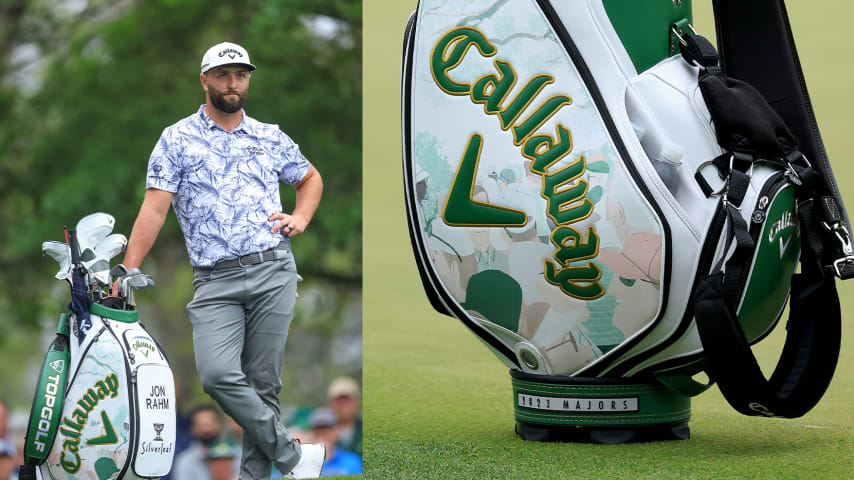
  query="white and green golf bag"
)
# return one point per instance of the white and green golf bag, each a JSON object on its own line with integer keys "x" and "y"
{"x": 613, "y": 207}
{"x": 104, "y": 407}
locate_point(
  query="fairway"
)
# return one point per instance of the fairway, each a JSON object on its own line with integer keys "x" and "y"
{"x": 438, "y": 404}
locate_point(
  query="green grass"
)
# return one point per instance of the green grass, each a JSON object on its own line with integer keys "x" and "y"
{"x": 437, "y": 404}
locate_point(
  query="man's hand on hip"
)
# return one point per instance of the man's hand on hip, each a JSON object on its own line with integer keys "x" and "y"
{"x": 289, "y": 225}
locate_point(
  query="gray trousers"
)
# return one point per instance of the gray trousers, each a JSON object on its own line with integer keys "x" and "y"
{"x": 240, "y": 318}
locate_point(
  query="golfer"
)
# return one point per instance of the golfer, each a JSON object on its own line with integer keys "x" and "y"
{"x": 220, "y": 170}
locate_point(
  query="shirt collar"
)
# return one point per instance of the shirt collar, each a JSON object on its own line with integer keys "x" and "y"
{"x": 244, "y": 126}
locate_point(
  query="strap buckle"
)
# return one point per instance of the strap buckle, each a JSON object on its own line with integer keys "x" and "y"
{"x": 792, "y": 176}
{"x": 725, "y": 202}
{"x": 841, "y": 233}
{"x": 839, "y": 261}
{"x": 678, "y": 35}
{"x": 742, "y": 157}
{"x": 790, "y": 173}
{"x": 710, "y": 192}
{"x": 249, "y": 257}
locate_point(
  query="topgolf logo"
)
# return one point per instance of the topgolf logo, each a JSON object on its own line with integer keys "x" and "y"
{"x": 46, "y": 413}
{"x": 57, "y": 365}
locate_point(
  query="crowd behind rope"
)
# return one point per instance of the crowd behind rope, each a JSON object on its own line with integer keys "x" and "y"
{"x": 207, "y": 443}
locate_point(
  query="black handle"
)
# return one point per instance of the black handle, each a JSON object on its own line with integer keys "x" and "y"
{"x": 75, "y": 249}
{"x": 27, "y": 472}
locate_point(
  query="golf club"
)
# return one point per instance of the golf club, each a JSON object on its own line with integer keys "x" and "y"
{"x": 62, "y": 254}
{"x": 91, "y": 229}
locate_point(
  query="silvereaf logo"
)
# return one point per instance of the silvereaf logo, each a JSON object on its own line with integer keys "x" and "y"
{"x": 158, "y": 429}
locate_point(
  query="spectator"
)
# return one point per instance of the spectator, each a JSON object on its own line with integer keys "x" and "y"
{"x": 4, "y": 418}
{"x": 324, "y": 430}
{"x": 206, "y": 427}
{"x": 20, "y": 445}
{"x": 233, "y": 431}
{"x": 343, "y": 398}
{"x": 7, "y": 459}
{"x": 221, "y": 464}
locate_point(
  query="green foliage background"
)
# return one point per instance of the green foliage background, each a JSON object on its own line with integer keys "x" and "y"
{"x": 76, "y": 134}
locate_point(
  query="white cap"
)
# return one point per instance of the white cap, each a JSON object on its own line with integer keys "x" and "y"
{"x": 342, "y": 386}
{"x": 225, "y": 53}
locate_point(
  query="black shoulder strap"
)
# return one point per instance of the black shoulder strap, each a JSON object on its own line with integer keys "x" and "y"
{"x": 809, "y": 356}
{"x": 746, "y": 123}
{"x": 756, "y": 46}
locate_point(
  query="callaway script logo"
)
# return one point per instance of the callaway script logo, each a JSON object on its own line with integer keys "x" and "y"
{"x": 762, "y": 410}
{"x": 73, "y": 424}
{"x": 143, "y": 345}
{"x": 785, "y": 223}
{"x": 232, "y": 53}
{"x": 564, "y": 187}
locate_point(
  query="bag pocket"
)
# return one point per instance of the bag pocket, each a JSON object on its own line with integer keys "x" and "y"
{"x": 287, "y": 262}
{"x": 767, "y": 275}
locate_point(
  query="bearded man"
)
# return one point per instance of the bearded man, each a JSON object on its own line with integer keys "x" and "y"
{"x": 220, "y": 170}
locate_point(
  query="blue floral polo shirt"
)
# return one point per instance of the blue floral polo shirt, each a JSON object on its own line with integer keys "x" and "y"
{"x": 225, "y": 184}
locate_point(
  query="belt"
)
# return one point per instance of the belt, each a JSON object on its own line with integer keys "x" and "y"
{"x": 251, "y": 258}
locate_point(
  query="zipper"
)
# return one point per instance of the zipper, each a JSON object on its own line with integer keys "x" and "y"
{"x": 590, "y": 84}
{"x": 157, "y": 344}
{"x": 430, "y": 280}
{"x": 133, "y": 429}
{"x": 767, "y": 194}
{"x": 83, "y": 356}
{"x": 707, "y": 256}
{"x": 775, "y": 184}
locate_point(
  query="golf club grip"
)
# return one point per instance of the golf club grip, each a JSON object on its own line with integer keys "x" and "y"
{"x": 75, "y": 251}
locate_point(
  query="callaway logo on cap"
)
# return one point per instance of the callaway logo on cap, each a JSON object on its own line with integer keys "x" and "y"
{"x": 223, "y": 54}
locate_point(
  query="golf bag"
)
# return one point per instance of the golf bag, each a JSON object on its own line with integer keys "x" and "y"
{"x": 104, "y": 406}
{"x": 613, "y": 207}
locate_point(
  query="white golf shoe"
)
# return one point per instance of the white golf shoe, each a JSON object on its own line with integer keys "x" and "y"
{"x": 311, "y": 462}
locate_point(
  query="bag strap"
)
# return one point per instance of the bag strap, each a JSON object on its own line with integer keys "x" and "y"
{"x": 809, "y": 355}
{"x": 760, "y": 29}
{"x": 748, "y": 127}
